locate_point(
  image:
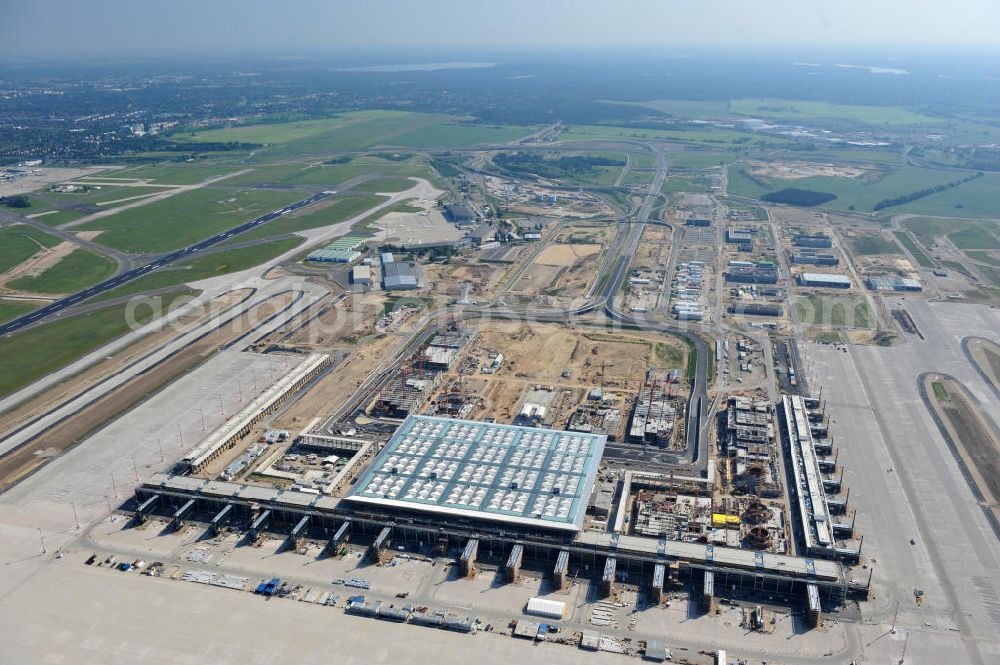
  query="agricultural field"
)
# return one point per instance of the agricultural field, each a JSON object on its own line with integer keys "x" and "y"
{"x": 186, "y": 218}
{"x": 77, "y": 270}
{"x": 33, "y": 353}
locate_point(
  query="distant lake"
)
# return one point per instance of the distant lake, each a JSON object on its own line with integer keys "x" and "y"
{"x": 418, "y": 67}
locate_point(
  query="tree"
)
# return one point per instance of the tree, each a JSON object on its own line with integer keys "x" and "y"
{"x": 15, "y": 201}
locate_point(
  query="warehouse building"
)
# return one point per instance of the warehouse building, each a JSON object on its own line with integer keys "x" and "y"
{"x": 809, "y": 257}
{"x": 361, "y": 275}
{"x": 879, "y": 283}
{"x": 698, "y": 222}
{"x": 824, "y": 280}
{"x": 817, "y": 240}
{"x": 342, "y": 250}
{"x": 756, "y": 275}
{"x": 756, "y": 309}
{"x": 398, "y": 275}
{"x": 739, "y": 236}
{"x": 459, "y": 212}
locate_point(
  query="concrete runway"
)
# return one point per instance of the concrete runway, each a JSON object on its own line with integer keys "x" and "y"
{"x": 879, "y": 422}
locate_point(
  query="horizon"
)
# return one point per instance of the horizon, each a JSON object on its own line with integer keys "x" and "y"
{"x": 115, "y": 28}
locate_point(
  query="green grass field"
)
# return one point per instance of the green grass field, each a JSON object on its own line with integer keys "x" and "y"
{"x": 311, "y": 172}
{"x": 30, "y": 354}
{"x": 917, "y": 252}
{"x": 186, "y": 218}
{"x": 683, "y": 108}
{"x": 983, "y": 256}
{"x": 697, "y": 134}
{"x": 858, "y": 194}
{"x": 964, "y": 233}
{"x": 180, "y": 173}
{"x": 974, "y": 199}
{"x": 212, "y": 265}
{"x": 78, "y": 270}
{"x": 696, "y": 159}
{"x": 20, "y": 242}
{"x": 387, "y": 185}
{"x": 833, "y": 311}
{"x": 957, "y": 267}
{"x": 340, "y": 210}
{"x": 642, "y": 160}
{"x": 11, "y": 309}
{"x": 686, "y": 183}
{"x": 362, "y": 130}
{"x": 980, "y": 235}
{"x": 801, "y": 111}
{"x": 634, "y": 177}
{"x": 868, "y": 244}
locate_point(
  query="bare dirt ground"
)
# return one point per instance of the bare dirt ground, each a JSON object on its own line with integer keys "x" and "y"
{"x": 350, "y": 318}
{"x": 796, "y": 217}
{"x": 976, "y": 440}
{"x": 336, "y": 387}
{"x": 38, "y": 263}
{"x": 566, "y": 255}
{"x": 23, "y": 461}
{"x": 537, "y": 279}
{"x": 796, "y": 170}
{"x": 448, "y": 278}
{"x": 540, "y": 354}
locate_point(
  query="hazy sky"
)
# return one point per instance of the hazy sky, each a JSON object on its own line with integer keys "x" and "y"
{"x": 40, "y": 27}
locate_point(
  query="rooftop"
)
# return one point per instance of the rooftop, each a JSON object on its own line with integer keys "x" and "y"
{"x": 507, "y": 473}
